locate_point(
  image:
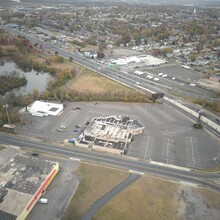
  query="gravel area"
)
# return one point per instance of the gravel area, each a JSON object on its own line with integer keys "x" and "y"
{"x": 192, "y": 205}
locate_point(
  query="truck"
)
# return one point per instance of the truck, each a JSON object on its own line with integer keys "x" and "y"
{"x": 185, "y": 67}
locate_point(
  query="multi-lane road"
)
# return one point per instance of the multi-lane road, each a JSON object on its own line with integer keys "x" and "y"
{"x": 122, "y": 162}
{"x": 164, "y": 85}
{"x": 202, "y": 179}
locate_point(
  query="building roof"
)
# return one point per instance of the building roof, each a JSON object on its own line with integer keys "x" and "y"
{"x": 40, "y": 108}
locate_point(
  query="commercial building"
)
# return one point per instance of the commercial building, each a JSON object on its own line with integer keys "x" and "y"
{"x": 110, "y": 134}
{"x": 23, "y": 180}
{"x": 40, "y": 108}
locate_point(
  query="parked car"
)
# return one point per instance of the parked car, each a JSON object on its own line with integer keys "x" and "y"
{"x": 77, "y": 108}
{"x": 217, "y": 121}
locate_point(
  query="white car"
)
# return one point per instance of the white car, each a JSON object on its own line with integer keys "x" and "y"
{"x": 156, "y": 79}
{"x": 149, "y": 77}
{"x": 160, "y": 74}
{"x": 164, "y": 75}
{"x": 192, "y": 84}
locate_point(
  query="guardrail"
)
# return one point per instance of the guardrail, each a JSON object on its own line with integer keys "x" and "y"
{"x": 195, "y": 114}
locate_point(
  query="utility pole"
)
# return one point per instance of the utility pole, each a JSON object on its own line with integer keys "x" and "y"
{"x": 6, "y": 108}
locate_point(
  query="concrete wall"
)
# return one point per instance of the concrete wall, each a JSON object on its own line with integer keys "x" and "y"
{"x": 106, "y": 149}
{"x": 203, "y": 119}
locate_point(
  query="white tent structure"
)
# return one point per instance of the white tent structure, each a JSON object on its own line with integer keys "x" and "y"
{"x": 40, "y": 108}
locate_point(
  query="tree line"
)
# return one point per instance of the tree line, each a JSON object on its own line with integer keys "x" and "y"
{"x": 10, "y": 81}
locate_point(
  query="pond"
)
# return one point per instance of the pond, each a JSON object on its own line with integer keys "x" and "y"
{"x": 35, "y": 80}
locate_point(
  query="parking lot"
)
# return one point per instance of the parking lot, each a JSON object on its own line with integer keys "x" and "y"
{"x": 168, "y": 137}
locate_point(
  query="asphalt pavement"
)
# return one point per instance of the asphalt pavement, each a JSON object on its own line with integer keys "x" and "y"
{"x": 122, "y": 162}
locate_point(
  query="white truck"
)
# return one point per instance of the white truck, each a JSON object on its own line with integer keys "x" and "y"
{"x": 185, "y": 67}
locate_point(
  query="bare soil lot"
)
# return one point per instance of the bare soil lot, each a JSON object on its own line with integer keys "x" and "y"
{"x": 120, "y": 52}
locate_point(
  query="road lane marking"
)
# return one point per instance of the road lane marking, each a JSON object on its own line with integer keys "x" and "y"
{"x": 136, "y": 172}
{"x": 170, "y": 166}
{"x": 76, "y": 159}
{"x": 188, "y": 183}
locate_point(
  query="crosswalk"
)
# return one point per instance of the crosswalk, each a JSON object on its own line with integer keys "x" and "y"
{"x": 172, "y": 132}
{"x": 113, "y": 106}
{"x": 43, "y": 137}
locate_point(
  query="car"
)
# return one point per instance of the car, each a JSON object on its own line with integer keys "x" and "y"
{"x": 119, "y": 76}
{"x": 156, "y": 79}
{"x": 77, "y": 126}
{"x": 217, "y": 121}
{"x": 63, "y": 126}
{"x": 164, "y": 75}
{"x": 77, "y": 108}
{"x": 160, "y": 74}
{"x": 192, "y": 84}
{"x": 59, "y": 129}
{"x": 75, "y": 130}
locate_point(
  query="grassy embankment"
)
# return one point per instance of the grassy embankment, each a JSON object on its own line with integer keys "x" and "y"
{"x": 95, "y": 182}
{"x": 147, "y": 198}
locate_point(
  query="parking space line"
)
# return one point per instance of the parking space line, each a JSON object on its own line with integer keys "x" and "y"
{"x": 148, "y": 115}
{"x": 192, "y": 152}
{"x": 43, "y": 124}
{"x": 193, "y": 157}
{"x": 164, "y": 114}
{"x": 145, "y": 154}
{"x": 168, "y": 145}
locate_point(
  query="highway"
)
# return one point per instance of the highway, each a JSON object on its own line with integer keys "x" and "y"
{"x": 165, "y": 85}
{"x": 122, "y": 162}
{"x": 133, "y": 81}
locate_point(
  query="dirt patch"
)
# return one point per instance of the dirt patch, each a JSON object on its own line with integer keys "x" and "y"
{"x": 209, "y": 84}
{"x": 120, "y": 52}
{"x": 197, "y": 203}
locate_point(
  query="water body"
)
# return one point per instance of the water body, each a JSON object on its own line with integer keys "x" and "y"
{"x": 35, "y": 80}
